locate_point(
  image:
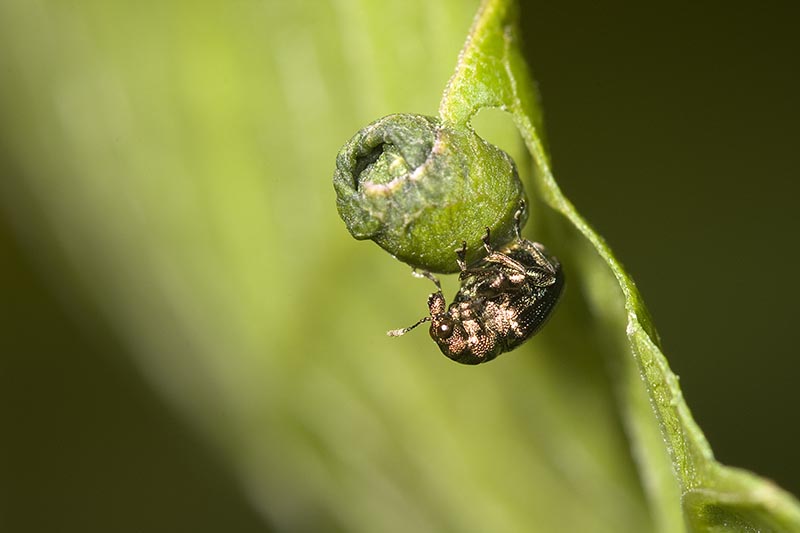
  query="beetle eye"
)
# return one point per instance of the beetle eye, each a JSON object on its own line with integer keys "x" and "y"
{"x": 444, "y": 330}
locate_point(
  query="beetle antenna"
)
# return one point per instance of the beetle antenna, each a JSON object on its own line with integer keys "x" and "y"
{"x": 403, "y": 331}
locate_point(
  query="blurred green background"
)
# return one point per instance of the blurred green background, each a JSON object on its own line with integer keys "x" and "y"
{"x": 672, "y": 126}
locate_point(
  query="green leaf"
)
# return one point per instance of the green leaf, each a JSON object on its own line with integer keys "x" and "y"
{"x": 420, "y": 188}
{"x": 170, "y": 166}
{"x": 492, "y": 73}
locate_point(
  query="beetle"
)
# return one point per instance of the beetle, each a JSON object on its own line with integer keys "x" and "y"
{"x": 504, "y": 299}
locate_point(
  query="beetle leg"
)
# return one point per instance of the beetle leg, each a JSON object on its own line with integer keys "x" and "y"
{"x": 461, "y": 256}
{"x": 487, "y": 243}
{"x": 518, "y": 219}
{"x": 546, "y": 264}
{"x": 425, "y": 274}
{"x": 506, "y": 261}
